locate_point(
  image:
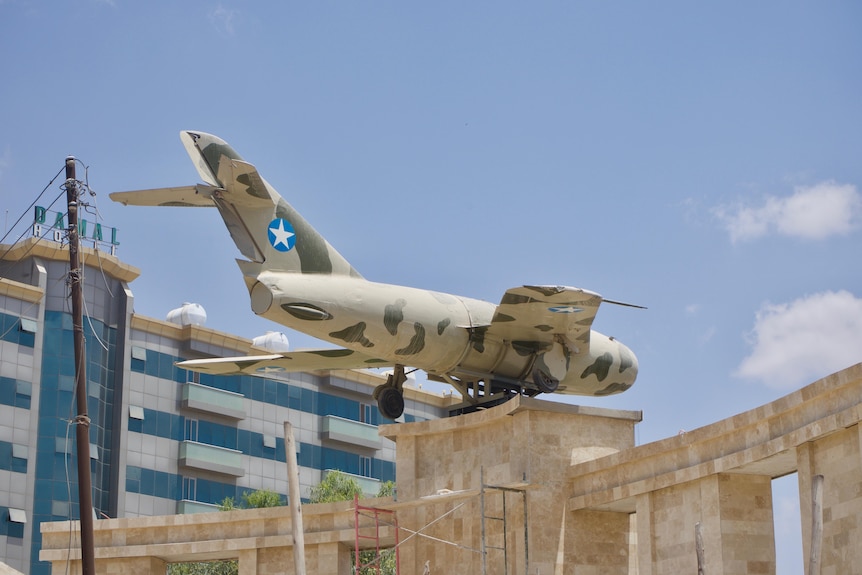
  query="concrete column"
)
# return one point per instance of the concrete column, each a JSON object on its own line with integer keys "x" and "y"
{"x": 248, "y": 562}
{"x": 645, "y": 528}
{"x": 838, "y": 458}
{"x": 332, "y": 558}
{"x": 747, "y": 525}
{"x": 598, "y": 543}
{"x": 805, "y": 471}
{"x": 735, "y": 512}
{"x": 673, "y": 513}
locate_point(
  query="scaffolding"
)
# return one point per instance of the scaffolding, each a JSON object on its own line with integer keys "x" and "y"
{"x": 387, "y": 517}
{"x": 503, "y": 519}
{"x": 373, "y": 513}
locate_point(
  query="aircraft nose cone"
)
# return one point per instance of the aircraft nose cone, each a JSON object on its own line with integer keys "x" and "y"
{"x": 628, "y": 364}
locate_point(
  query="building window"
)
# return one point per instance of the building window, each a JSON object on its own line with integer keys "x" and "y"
{"x": 60, "y": 508}
{"x": 189, "y": 488}
{"x": 17, "y": 515}
{"x": 364, "y": 413}
{"x": 17, "y": 519}
{"x": 191, "y": 433}
{"x": 364, "y": 466}
{"x": 136, "y": 412}
{"x": 61, "y": 445}
{"x": 23, "y": 388}
{"x": 139, "y": 359}
{"x": 20, "y": 453}
{"x": 28, "y": 325}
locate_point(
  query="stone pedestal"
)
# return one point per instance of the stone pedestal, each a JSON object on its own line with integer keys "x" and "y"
{"x": 523, "y": 446}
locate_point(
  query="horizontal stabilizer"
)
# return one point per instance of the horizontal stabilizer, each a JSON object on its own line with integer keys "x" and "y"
{"x": 184, "y": 196}
{"x": 310, "y": 360}
{"x": 538, "y": 314}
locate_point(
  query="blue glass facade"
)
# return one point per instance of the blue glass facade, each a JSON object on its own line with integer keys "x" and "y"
{"x": 56, "y": 459}
{"x": 173, "y": 426}
{"x": 13, "y": 331}
{"x": 161, "y": 365}
{"x": 134, "y": 469}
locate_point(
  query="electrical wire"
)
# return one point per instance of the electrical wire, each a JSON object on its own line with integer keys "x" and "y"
{"x": 42, "y": 237}
{"x": 31, "y": 205}
{"x": 26, "y": 309}
{"x": 67, "y": 278}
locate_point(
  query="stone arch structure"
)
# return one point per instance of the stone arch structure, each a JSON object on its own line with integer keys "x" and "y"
{"x": 595, "y": 503}
{"x": 720, "y": 475}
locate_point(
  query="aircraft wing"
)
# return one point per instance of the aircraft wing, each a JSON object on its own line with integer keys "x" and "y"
{"x": 535, "y": 314}
{"x": 182, "y": 196}
{"x": 310, "y": 360}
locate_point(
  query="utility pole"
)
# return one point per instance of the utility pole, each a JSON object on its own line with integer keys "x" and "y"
{"x": 82, "y": 421}
{"x": 295, "y": 501}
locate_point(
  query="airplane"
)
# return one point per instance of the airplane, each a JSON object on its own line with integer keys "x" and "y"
{"x": 538, "y": 339}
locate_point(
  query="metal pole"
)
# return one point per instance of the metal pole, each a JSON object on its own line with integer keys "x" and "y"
{"x": 82, "y": 421}
{"x": 295, "y": 502}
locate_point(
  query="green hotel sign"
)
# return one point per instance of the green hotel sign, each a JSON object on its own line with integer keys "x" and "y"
{"x": 46, "y": 222}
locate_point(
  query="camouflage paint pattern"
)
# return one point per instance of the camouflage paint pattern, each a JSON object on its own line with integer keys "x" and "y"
{"x": 297, "y": 279}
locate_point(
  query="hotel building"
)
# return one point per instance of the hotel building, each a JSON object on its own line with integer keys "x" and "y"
{"x": 162, "y": 440}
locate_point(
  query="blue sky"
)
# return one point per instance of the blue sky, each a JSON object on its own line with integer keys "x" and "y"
{"x": 701, "y": 160}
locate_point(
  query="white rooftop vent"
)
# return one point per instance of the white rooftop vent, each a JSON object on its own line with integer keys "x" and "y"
{"x": 274, "y": 341}
{"x": 188, "y": 314}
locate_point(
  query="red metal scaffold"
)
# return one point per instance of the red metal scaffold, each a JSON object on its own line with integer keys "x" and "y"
{"x": 373, "y": 513}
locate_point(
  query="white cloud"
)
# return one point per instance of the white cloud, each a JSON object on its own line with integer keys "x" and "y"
{"x": 811, "y": 337}
{"x": 707, "y": 335}
{"x": 223, "y": 20}
{"x": 815, "y": 213}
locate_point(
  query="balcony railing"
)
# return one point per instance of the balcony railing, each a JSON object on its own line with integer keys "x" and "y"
{"x": 348, "y": 431}
{"x": 211, "y": 400}
{"x": 186, "y": 507}
{"x": 196, "y": 455}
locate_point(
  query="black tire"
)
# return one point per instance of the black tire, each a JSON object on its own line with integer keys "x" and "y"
{"x": 390, "y": 402}
{"x": 545, "y": 382}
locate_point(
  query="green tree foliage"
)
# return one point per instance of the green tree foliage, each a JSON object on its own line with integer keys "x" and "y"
{"x": 250, "y": 500}
{"x": 336, "y": 486}
{"x": 387, "y": 489}
{"x": 204, "y": 568}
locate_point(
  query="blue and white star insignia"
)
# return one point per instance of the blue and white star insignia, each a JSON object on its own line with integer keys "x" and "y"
{"x": 565, "y": 309}
{"x": 281, "y": 235}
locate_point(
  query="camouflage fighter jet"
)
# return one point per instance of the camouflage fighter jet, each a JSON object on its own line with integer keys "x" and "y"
{"x": 538, "y": 339}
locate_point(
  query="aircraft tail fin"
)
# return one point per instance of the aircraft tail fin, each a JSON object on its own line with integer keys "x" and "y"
{"x": 264, "y": 227}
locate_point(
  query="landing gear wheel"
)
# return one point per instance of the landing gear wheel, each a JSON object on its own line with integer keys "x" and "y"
{"x": 545, "y": 382}
{"x": 390, "y": 402}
